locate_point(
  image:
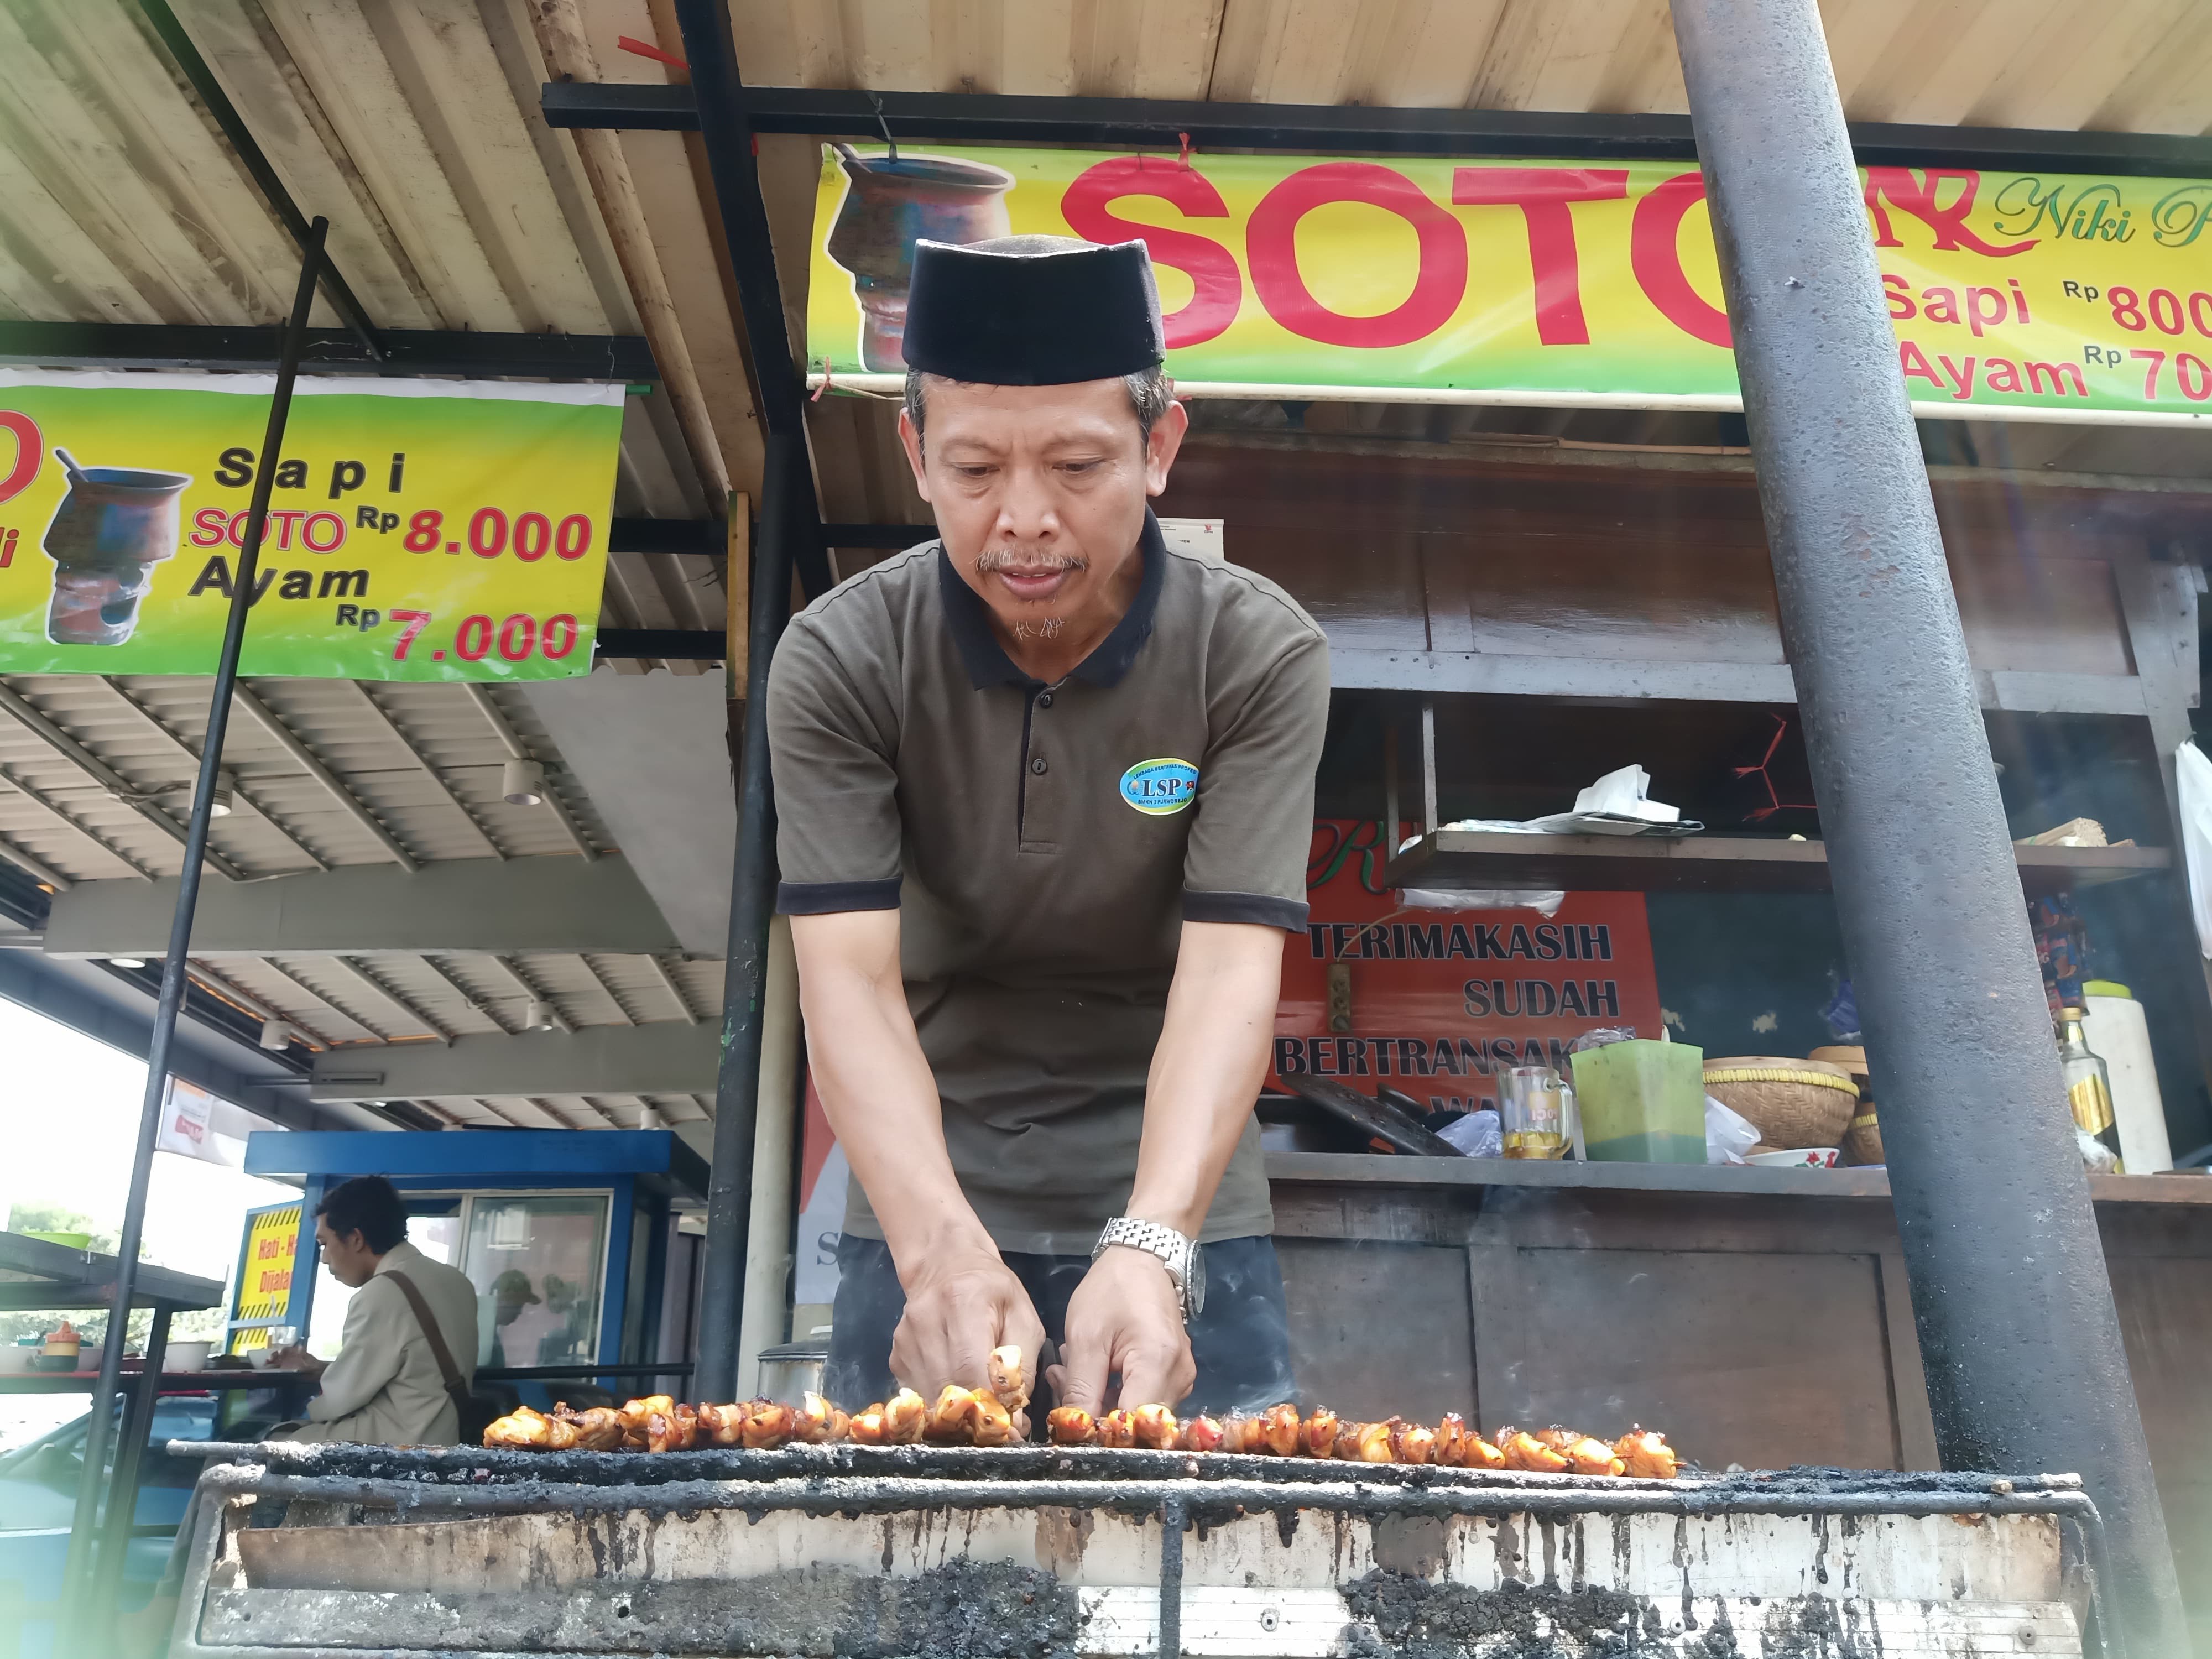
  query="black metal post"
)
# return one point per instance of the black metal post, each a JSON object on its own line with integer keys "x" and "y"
{"x": 753, "y": 906}
{"x": 2024, "y": 1366}
{"x": 711, "y": 52}
{"x": 130, "y": 1465}
{"x": 76, "y": 1613}
{"x": 789, "y": 536}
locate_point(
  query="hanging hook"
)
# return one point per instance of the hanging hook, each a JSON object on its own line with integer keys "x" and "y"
{"x": 890, "y": 143}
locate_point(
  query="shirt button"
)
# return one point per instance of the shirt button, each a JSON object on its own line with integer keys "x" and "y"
{"x": 1038, "y": 766}
{"x": 1044, "y": 699}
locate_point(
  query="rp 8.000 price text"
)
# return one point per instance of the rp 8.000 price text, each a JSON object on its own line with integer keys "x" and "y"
{"x": 530, "y": 536}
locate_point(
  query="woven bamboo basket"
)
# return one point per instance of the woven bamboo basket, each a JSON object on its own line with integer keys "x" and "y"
{"x": 1865, "y": 1137}
{"x": 1791, "y": 1103}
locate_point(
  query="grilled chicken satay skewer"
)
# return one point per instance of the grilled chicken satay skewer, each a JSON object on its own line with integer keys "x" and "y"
{"x": 1413, "y": 1442}
{"x": 1008, "y": 1380}
{"x": 1199, "y": 1434}
{"x": 1071, "y": 1425}
{"x": 1154, "y": 1426}
{"x": 984, "y": 1417}
{"x": 896, "y": 1422}
{"x": 1318, "y": 1437}
{"x": 525, "y": 1430}
{"x": 820, "y": 1422}
{"x": 1647, "y": 1454}
{"x": 1585, "y": 1455}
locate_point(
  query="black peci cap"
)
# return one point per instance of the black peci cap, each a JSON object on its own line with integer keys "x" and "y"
{"x": 1033, "y": 311}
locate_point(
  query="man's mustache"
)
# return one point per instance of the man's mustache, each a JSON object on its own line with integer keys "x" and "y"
{"x": 1016, "y": 558}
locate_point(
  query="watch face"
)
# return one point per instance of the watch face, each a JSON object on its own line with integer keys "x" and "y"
{"x": 1195, "y": 1293}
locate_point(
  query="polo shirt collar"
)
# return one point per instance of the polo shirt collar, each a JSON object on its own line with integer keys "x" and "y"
{"x": 986, "y": 660}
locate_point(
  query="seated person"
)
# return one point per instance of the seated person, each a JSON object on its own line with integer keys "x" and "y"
{"x": 387, "y": 1386}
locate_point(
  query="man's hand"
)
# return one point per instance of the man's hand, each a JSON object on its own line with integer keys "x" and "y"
{"x": 959, "y": 1306}
{"x": 297, "y": 1359}
{"x": 1126, "y": 1318}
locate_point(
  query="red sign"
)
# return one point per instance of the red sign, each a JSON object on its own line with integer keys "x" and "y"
{"x": 1439, "y": 1000}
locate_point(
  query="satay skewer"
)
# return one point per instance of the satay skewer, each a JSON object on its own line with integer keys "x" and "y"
{"x": 1071, "y": 1425}
{"x": 986, "y": 1417}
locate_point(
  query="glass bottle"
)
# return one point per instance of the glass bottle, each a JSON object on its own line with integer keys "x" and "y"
{"x": 2089, "y": 1084}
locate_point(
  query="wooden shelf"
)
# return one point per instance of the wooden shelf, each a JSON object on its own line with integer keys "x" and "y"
{"x": 1457, "y": 860}
{"x": 1371, "y": 1170}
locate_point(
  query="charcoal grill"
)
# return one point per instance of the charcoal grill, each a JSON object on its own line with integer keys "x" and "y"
{"x": 1047, "y": 1552}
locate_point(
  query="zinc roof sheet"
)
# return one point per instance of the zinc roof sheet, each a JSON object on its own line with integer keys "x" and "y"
{"x": 2131, "y": 65}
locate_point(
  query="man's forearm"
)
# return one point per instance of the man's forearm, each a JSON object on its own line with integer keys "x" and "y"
{"x": 879, "y": 1096}
{"x": 1207, "y": 1069}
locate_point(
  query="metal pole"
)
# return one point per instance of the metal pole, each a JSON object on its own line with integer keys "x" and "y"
{"x": 734, "y": 165}
{"x": 790, "y": 533}
{"x": 2015, "y": 1311}
{"x": 130, "y": 1466}
{"x": 752, "y": 907}
{"x": 77, "y": 1615}
{"x": 775, "y": 1153}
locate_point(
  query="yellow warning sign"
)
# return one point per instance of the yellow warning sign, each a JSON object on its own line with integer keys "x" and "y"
{"x": 264, "y": 1290}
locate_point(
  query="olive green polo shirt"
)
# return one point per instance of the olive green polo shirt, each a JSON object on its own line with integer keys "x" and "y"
{"x": 1042, "y": 844}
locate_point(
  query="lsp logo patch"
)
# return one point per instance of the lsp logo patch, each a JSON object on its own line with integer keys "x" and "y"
{"x": 1157, "y": 787}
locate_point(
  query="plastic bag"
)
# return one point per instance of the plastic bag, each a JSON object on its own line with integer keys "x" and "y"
{"x": 2097, "y": 1158}
{"x": 1477, "y": 1134}
{"x": 1544, "y": 904}
{"x": 1728, "y": 1136}
{"x": 1842, "y": 1013}
{"x": 2193, "y": 773}
{"x": 1599, "y": 1036}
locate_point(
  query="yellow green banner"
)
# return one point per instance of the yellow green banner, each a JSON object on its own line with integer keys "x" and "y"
{"x": 418, "y": 530}
{"x": 2015, "y": 295}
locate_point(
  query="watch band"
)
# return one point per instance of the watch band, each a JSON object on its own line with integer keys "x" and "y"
{"x": 1172, "y": 1249}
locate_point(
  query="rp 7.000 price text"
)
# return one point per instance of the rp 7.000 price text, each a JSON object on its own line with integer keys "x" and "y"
{"x": 515, "y": 639}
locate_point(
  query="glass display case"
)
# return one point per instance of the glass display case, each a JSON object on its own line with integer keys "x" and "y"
{"x": 539, "y": 1262}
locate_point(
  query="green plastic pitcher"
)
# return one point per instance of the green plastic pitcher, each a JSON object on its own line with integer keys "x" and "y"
{"x": 1642, "y": 1102}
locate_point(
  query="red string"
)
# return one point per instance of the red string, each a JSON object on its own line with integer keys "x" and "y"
{"x": 1186, "y": 150}
{"x": 1760, "y": 771}
{"x": 828, "y": 380}
{"x": 643, "y": 50}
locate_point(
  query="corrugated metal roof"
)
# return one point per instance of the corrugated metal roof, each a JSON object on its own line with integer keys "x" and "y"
{"x": 425, "y": 762}
{"x": 2131, "y": 65}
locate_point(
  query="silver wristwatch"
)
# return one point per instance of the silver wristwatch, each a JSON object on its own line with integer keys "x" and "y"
{"x": 1184, "y": 1262}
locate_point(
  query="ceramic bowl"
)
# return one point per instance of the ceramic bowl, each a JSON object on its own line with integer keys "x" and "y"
{"x": 187, "y": 1356}
{"x": 1800, "y": 1158}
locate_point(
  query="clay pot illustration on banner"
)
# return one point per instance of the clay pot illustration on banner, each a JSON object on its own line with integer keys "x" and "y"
{"x": 892, "y": 202}
{"x": 114, "y": 524}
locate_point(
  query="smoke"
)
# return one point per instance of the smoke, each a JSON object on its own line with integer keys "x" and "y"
{"x": 1243, "y": 1339}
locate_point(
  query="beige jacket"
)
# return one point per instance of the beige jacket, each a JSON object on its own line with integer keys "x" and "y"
{"x": 385, "y": 1387}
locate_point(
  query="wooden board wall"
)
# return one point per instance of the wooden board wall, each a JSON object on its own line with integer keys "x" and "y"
{"x": 1446, "y": 553}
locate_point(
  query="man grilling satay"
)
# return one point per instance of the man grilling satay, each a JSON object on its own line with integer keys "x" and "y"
{"x": 1046, "y": 792}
